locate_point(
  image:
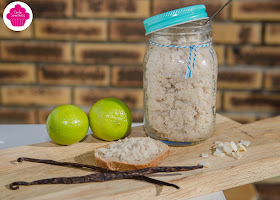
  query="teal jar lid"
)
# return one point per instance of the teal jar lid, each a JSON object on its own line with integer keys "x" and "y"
{"x": 175, "y": 17}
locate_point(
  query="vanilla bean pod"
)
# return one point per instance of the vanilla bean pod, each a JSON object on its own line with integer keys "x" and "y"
{"x": 81, "y": 166}
{"x": 81, "y": 179}
{"x": 70, "y": 164}
{"x": 105, "y": 176}
{"x": 77, "y": 165}
{"x": 155, "y": 181}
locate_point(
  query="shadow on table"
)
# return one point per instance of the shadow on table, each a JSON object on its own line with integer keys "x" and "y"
{"x": 85, "y": 158}
{"x": 87, "y": 139}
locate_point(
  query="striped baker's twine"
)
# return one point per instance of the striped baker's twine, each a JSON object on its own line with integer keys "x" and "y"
{"x": 193, "y": 50}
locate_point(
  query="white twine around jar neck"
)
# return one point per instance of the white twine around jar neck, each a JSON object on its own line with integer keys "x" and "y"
{"x": 192, "y": 53}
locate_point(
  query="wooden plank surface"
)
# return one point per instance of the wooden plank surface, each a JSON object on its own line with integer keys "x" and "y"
{"x": 260, "y": 162}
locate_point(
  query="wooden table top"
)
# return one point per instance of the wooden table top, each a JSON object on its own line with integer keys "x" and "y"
{"x": 261, "y": 161}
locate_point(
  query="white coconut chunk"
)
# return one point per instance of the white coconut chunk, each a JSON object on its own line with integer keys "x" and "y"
{"x": 218, "y": 153}
{"x": 233, "y": 146}
{"x": 226, "y": 143}
{"x": 206, "y": 164}
{"x": 241, "y": 147}
{"x": 218, "y": 143}
{"x": 216, "y": 146}
{"x": 204, "y": 155}
{"x": 245, "y": 142}
{"x": 219, "y": 148}
{"x": 227, "y": 149}
{"x": 237, "y": 155}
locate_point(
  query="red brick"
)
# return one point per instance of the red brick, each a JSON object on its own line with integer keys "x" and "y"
{"x": 17, "y": 116}
{"x": 17, "y": 73}
{"x": 137, "y": 116}
{"x": 160, "y": 6}
{"x": 95, "y": 30}
{"x": 49, "y": 8}
{"x": 220, "y": 50}
{"x": 35, "y": 51}
{"x": 246, "y": 101}
{"x": 110, "y": 53}
{"x": 237, "y": 33}
{"x": 272, "y": 33}
{"x": 7, "y": 33}
{"x": 127, "y": 31}
{"x": 219, "y": 101}
{"x": 272, "y": 80}
{"x": 74, "y": 75}
{"x": 42, "y": 115}
{"x": 249, "y": 55}
{"x": 113, "y": 8}
{"x": 256, "y": 10}
{"x": 127, "y": 76}
{"x": 34, "y": 95}
{"x": 239, "y": 79}
{"x": 87, "y": 97}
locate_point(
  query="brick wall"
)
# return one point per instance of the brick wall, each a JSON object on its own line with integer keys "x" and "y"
{"x": 78, "y": 51}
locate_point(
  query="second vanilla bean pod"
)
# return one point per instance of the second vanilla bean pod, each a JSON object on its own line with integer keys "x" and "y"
{"x": 69, "y": 164}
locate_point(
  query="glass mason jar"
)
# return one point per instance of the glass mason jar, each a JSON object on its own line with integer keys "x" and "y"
{"x": 180, "y": 83}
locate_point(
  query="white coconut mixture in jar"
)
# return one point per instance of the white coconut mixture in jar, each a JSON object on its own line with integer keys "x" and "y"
{"x": 177, "y": 108}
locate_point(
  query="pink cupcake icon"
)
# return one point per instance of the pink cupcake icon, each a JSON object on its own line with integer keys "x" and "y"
{"x": 18, "y": 15}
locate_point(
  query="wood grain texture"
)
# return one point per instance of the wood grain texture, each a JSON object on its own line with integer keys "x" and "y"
{"x": 262, "y": 161}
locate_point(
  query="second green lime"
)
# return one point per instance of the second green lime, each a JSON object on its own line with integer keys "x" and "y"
{"x": 110, "y": 119}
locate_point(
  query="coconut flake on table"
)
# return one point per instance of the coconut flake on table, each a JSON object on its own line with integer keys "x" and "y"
{"x": 237, "y": 155}
{"x": 204, "y": 155}
{"x": 221, "y": 149}
{"x": 219, "y": 153}
{"x": 227, "y": 149}
{"x": 241, "y": 147}
{"x": 233, "y": 146}
{"x": 245, "y": 143}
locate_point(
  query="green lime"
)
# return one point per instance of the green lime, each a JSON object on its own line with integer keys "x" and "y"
{"x": 110, "y": 119}
{"x": 67, "y": 124}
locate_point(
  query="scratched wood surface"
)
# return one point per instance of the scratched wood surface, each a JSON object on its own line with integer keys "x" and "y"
{"x": 262, "y": 161}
